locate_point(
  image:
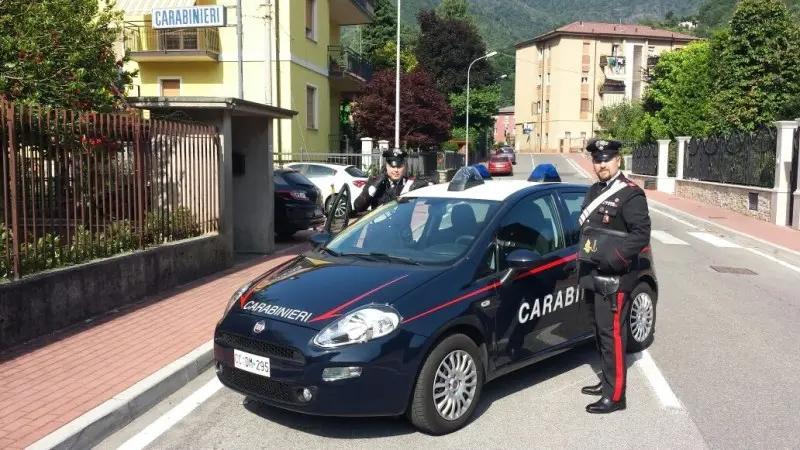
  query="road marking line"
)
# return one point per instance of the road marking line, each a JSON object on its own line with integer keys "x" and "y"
{"x": 713, "y": 240}
{"x": 532, "y": 164}
{"x": 666, "y": 238}
{"x": 172, "y": 417}
{"x": 722, "y": 227}
{"x": 670, "y": 216}
{"x": 577, "y": 167}
{"x": 774, "y": 259}
{"x": 657, "y": 381}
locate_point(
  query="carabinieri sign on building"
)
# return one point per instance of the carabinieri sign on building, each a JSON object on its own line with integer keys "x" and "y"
{"x": 190, "y": 17}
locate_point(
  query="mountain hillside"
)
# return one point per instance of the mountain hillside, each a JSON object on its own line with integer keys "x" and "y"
{"x": 504, "y": 23}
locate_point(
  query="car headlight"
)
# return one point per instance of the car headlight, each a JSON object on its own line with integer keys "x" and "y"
{"x": 235, "y": 297}
{"x": 361, "y": 325}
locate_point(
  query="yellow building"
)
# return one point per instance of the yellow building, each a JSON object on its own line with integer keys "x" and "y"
{"x": 564, "y": 77}
{"x": 291, "y": 58}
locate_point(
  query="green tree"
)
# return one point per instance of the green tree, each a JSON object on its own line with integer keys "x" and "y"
{"x": 680, "y": 91}
{"x": 620, "y": 121}
{"x": 60, "y": 53}
{"x": 755, "y": 65}
{"x": 383, "y": 29}
{"x": 445, "y": 50}
{"x": 386, "y": 57}
{"x": 456, "y": 9}
{"x": 483, "y": 105}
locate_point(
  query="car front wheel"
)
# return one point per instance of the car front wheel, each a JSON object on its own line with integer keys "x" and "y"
{"x": 449, "y": 386}
{"x": 641, "y": 318}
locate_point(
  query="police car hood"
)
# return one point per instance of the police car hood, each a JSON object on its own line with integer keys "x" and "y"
{"x": 314, "y": 292}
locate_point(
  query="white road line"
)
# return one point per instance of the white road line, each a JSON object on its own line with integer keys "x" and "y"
{"x": 577, "y": 167}
{"x": 670, "y": 216}
{"x": 774, "y": 259}
{"x": 666, "y": 238}
{"x": 657, "y": 381}
{"x": 532, "y": 164}
{"x": 713, "y": 240}
{"x": 173, "y": 416}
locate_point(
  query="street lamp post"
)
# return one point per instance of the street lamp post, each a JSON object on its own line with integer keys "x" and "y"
{"x": 488, "y": 55}
{"x": 397, "y": 85}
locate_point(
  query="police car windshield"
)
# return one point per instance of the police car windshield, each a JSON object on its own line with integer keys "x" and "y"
{"x": 427, "y": 231}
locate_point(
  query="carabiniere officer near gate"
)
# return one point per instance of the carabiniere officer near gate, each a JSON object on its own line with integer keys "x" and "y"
{"x": 390, "y": 184}
{"x": 615, "y": 228}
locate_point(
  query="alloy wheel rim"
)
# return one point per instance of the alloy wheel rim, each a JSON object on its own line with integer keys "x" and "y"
{"x": 454, "y": 385}
{"x": 641, "y": 319}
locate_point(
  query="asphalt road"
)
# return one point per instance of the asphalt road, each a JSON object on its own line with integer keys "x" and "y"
{"x": 722, "y": 372}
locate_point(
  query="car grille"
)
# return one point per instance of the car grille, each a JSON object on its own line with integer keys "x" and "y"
{"x": 259, "y": 347}
{"x": 258, "y": 386}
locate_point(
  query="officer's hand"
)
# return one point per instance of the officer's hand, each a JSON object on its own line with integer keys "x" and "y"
{"x": 379, "y": 184}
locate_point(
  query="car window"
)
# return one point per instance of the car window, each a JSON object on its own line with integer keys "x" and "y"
{"x": 531, "y": 224}
{"x": 355, "y": 172}
{"x": 298, "y": 167}
{"x": 315, "y": 171}
{"x": 498, "y": 158}
{"x": 573, "y": 202}
{"x": 295, "y": 178}
{"x": 411, "y": 228}
{"x": 279, "y": 179}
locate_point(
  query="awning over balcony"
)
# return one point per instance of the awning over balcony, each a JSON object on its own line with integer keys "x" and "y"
{"x": 142, "y": 7}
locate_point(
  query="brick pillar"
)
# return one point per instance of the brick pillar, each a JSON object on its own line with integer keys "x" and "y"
{"x": 682, "y": 140}
{"x": 665, "y": 183}
{"x": 366, "y": 153}
{"x": 781, "y": 195}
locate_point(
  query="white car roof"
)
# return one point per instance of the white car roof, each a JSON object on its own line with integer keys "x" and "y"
{"x": 498, "y": 190}
{"x": 328, "y": 165}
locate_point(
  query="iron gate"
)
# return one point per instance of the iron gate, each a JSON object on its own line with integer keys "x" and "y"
{"x": 794, "y": 175}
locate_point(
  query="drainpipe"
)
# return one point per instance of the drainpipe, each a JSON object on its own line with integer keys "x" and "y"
{"x": 268, "y": 55}
{"x": 594, "y": 87}
{"x": 278, "y": 70}
{"x": 240, "y": 44}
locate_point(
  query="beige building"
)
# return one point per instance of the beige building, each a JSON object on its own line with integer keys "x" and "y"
{"x": 564, "y": 77}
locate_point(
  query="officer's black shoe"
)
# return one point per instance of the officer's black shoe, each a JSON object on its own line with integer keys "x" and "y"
{"x": 605, "y": 405}
{"x": 597, "y": 389}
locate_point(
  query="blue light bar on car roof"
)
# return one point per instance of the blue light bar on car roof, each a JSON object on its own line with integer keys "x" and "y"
{"x": 465, "y": 178}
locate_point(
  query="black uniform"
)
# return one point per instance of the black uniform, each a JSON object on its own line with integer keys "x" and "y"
{"x": 383, "y": 189}
{"x": 613, "y": 233}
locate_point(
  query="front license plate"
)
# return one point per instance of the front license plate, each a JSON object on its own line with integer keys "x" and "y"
{"x": 258, "y": 365}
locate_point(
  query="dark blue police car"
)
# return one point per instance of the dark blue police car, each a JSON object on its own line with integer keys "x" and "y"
{"x": 414, "y": 307}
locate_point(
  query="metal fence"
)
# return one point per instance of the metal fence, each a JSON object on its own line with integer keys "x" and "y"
{"x": 418, "y": 164}
{"x": 645, "y": 159}
{"x": 79, "y": 186}
{"x": 741, "y": 158}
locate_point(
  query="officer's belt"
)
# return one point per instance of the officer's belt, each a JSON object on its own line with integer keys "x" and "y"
{"x": 615, "y": 187}
{"x": 595, "y": 243}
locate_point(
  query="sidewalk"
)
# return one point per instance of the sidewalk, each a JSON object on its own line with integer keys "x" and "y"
{"x": 46, "y": 385}
{"x": 771, "y": 233}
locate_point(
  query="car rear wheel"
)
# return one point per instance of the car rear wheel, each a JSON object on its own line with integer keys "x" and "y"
{"x": 641, "y": 318}
{"x": 449, "y": 386}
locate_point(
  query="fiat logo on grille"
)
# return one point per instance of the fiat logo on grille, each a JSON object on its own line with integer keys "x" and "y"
{"x": 259, "y": 327}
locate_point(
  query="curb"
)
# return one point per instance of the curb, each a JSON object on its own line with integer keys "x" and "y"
{"x": 92, "y": 427}
{"x": 719, "y": 227}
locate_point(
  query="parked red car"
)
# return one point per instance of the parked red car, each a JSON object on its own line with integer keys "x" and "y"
{"x": 500, "y": 165}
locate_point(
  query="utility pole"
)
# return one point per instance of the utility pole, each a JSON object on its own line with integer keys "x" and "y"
{"x": 240, "y": 43}
{"x": 397, "y": 85}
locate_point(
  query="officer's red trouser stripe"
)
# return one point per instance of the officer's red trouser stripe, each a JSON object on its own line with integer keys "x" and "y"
{"x": 618, "y": 355}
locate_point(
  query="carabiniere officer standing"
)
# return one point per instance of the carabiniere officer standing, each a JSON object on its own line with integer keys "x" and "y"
{"x": 390, "y": 184}
{"x": 615, "y": 228}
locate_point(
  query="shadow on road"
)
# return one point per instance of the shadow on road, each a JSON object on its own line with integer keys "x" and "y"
{"x": 371, "y": 427}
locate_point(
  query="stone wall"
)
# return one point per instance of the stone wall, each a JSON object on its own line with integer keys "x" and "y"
{"x": 731, "y": 197}
{"x": 50, "y": 301}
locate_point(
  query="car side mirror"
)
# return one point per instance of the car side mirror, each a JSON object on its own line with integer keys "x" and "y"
{"x": 319, "y": 239}
{"x": 518, "y": 261}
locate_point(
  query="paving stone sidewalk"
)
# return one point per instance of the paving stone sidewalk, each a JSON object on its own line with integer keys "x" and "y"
{"x": 48, "y": 383}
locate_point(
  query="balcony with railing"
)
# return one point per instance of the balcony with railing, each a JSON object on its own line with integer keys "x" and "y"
{"x": 347, "y": 69}
{"x": 352, "y": 12}
{"x": 613, "y": 66}
{"x": 195, "y": 44}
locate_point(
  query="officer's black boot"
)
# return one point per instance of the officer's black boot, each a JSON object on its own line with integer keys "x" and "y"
{"x": 597, "y": 389}
{"x": 605, "y": 405}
